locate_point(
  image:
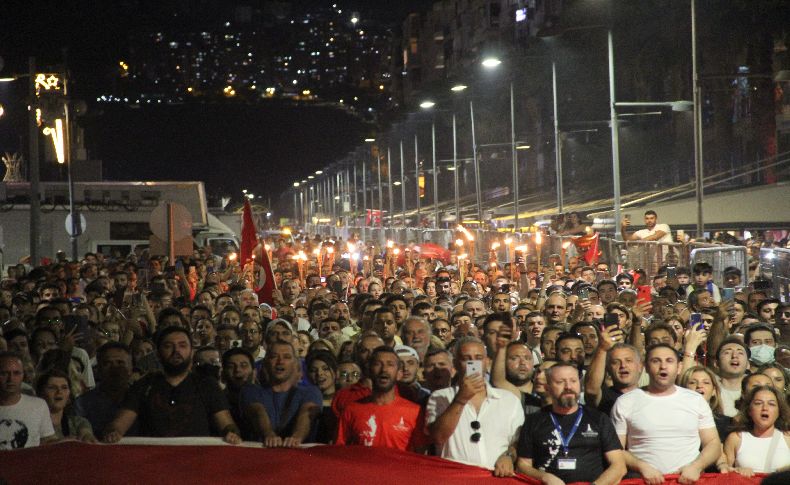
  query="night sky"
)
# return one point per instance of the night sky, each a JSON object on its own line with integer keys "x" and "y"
{"x": 230, "y": 146}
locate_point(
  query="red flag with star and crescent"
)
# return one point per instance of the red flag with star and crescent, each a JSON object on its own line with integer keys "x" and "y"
{"x": 252, "y": 251}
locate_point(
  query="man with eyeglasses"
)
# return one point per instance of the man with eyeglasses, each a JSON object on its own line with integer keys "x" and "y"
{"x": 471, "y": 421}
{"x": 251, "y": 338}
{"x": 569, "y": 442}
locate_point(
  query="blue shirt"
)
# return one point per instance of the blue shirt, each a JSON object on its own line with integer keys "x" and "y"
{"x": 282, "y": 407}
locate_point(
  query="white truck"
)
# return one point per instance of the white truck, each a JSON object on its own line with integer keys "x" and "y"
{"x": 117, "y": 216}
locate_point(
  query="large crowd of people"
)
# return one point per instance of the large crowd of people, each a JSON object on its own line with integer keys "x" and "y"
{"x": 565, "y": 371}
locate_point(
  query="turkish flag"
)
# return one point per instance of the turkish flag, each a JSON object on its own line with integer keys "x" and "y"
{"x": 249, "y": 236}
{"x": 589, "y": 246}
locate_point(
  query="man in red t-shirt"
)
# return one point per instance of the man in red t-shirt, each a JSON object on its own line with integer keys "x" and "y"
{"x": 383, "y": 419}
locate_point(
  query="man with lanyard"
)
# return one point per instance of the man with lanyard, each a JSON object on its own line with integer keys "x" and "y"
{"x": 569, "y": 442}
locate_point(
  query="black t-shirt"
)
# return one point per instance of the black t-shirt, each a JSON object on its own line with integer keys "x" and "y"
{"x": 608, "y": 396}
{"x": 594, "y": 437}
{"x": 184, "y": 410}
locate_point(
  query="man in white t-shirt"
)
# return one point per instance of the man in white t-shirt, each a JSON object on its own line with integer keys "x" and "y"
{"x": 24, "y": 420}
{"x": 663, "y": 427}
{"x": 651, "y": 232}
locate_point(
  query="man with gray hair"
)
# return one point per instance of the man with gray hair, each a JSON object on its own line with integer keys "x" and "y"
{"x": 416, "y": 333}
{"x": 622, "y": 361}
{"x": 458, "y": 417}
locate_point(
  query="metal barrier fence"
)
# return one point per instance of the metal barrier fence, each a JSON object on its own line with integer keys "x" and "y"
{"x": 646, "y": 255}
{"x": 775, "y": 266}
{"x": 721, "y": 258}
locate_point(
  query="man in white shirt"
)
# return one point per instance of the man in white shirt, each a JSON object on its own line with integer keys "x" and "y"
{"x": 24, "y": 420}
{"x": 473, "y": 422}
{"x": 651, "y": 232}
{"x": 664, "y": 427}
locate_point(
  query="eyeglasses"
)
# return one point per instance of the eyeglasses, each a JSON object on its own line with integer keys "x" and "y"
{"x": 476, "y": 435}
{"x": 441, "y": 330}
{"x": 52, "y": 321}
{"x": 345, "y": 375}
{"x": 249, "y": 331}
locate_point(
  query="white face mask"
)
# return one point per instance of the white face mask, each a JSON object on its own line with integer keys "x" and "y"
{"x": 762, "y": 354}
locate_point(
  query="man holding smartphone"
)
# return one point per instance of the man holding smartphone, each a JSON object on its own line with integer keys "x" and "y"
{"x": 458, "y": 417}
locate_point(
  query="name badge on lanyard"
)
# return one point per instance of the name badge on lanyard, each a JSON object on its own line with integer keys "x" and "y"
{"x": 566, "y": 463}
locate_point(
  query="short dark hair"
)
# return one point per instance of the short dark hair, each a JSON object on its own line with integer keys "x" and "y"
{"x": 733, "y": 340}
{"x": 110, "y": 345}
{"x": 747, "y": 335}
{"x": 702, "y": 267}
{"x": 654, "y": 347}
{"x": 160, "y": 335}
{"x": 655, "y": 327}
{"x": 503, "y": 317}
{"x": 237, "y": 351}
{"x": 324, "y": 356}
{"x": 651, "y": 213}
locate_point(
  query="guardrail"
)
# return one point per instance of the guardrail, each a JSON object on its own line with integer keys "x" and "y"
{"x": 646, "y": 255}
{"x": 775, "y": 266}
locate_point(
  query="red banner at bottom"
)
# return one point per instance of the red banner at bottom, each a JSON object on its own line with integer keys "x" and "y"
{"x": 72, "y": 462}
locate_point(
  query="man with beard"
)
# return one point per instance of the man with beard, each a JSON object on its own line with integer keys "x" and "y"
{"x": 341, "y": 313}
{"x": 175, "y": 402}
{"x": 408, "y": 385}
{"x": 383, "y": 419}
{"x": 385, "y": 325}
{"x": 569, "y": 442}
{"x": 665, "y": 426}
{"x": 515, "y": 360}
{"x": 282, "y": 412}
{"x": 100, "y": 405}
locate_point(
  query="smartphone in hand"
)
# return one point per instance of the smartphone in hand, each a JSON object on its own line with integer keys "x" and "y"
{"x": 474, "y": 367}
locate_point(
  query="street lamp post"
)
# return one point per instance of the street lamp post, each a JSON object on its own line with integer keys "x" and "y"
{"x": 557, "y": 141}
{"x": 455, "y": 175}
{"x": 698, "y": 158}
{"x": 417, "y": 178}
{"x": 615, "y": 139}
{"x": 435, "y": 177}
{"x": 389, "y": 185}
{"x": 402, "y": 187}
{"x": 514, "y": 157}
{"x": 477, "y": 166}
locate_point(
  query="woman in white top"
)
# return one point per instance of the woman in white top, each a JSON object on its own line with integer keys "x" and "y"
{"x": 760, "y": 442}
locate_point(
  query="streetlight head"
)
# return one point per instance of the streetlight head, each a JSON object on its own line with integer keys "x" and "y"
{"x": 491, "y": 62}
{"x": 427, "y": 104}
{"x": 682, "y": 105}
{"x": 522, "y": 147}
{"x": 370, "y": 140}
{"x": 319, "y": 172}
{"x": 310, "y": 177}
{"x": 396, "y": 183}
{"x": 458, "y": 88}
{"x": 243, "y": 191}
{"x": 296, "y": 184}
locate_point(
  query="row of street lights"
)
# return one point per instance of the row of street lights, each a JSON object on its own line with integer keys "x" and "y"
{"x": 491, "y": 63}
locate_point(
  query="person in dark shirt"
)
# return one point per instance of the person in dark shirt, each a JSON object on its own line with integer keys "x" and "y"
{"x": 568, "y": 442}
{"x": 100, "y": 405}
{"x": 175, "y": 402}
{"x": 238, "y": 370}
